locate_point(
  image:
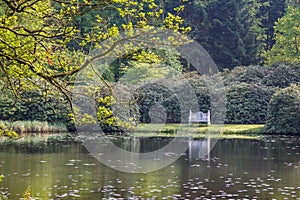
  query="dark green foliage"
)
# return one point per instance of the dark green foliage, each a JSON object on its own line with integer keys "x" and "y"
{"x": 270, "y": 12}
{"x": 247, "y": 103}
{"x": 201, "y": 90}
{"x": 6, "y": 110}
{"x": 36, "y": 108}
{"x": 249, "y": 74}
{"x": 234, "y": 32}
{"x": 247, "y": 97}
{"x": 283, "y": 116}
{"x": 151, "y": 96}
{"x": 278, "y": 76}
{"x": 282, "y": 75}
{"x": 249, "y": 90}
{"x": 157, "y": 97}
{"x": 228, "y": 29}
{"x": 32, "y": 106}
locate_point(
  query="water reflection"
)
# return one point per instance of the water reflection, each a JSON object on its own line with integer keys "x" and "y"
{"x": 252, "y": 169}
{"x": 200, "y": 149}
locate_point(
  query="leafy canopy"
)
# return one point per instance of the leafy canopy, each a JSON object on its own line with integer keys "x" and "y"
{"x": 37, "y": 40}
{"x": 287, "y": 36}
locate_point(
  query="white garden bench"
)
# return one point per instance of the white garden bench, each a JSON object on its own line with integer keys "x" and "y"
{"x": 199, "y": 117}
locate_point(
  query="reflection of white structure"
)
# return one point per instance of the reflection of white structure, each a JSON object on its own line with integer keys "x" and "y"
{"x": 199, "y": 117}
{"x": 199, "y": 149}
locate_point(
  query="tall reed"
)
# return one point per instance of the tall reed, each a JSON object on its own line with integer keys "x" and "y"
{"x": 22, "y": 127}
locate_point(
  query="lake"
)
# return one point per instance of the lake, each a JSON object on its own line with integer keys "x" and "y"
{"x": 237, "y": 169}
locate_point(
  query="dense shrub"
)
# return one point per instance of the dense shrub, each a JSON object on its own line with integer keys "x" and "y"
{"x": 51, "y": 109}
{"x": 157, "y": 96}
{"x": 201, "y": 90}
{"x": 248, "y": 74}
{"x": 166, "y": 104}
{"x": 249, "y": 90}
{"x": 283, "y": 115}
{"x": 247, "y": 97}
{"x": 247, "y": 103}
{"x": 282, "y": 76}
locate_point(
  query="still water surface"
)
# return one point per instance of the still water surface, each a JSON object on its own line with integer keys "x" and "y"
{"x": 238, "y": 169}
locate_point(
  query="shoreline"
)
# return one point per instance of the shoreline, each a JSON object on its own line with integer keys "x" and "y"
{"x": 29, "y": 127}
{"x": 226, "y": 131}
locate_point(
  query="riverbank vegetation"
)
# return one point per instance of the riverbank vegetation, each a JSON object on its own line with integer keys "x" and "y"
{"x": 245, "y": 131}
{"x": 254, "y": 96}
{"x": 228, "y": 131}
{"x": 24, "y": 127}
{"x": 254, "y": 48}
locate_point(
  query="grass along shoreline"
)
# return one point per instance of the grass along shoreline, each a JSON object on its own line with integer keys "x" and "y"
{"x": 226, "y": 131}
{"x": 23, "y": 127}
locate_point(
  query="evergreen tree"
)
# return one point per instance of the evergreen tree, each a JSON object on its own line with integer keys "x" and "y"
{"x": 270, "y": 12}
{"x": 228, "y": 29}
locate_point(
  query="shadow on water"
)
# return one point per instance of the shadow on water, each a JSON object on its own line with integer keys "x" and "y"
{"x": 251, "y": 169}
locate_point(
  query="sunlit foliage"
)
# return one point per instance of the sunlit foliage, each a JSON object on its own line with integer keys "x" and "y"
{"x": 36, "y": 36}
{"x": 287, "y": 37}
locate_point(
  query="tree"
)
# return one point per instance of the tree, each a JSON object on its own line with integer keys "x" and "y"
{"x": 287, "y": 38}
{"x": 150, "y": 61}
{"x": 36, "y": 36}
{"x": 229, "y": 30}
{"x": 270, "y": 12}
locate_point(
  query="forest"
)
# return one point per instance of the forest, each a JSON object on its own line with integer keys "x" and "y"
{"x": 45, "y": 45}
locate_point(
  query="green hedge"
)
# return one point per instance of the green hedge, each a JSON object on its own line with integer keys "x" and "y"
{"x": 248, "y": 74}
{"x": 247, "y": 103}
{"x": 201, "y": 90}
{"x": 153, "y": 96}
{"x": 282, "y": 76}
{"x": 53, "y": 109}
{"x": 249, "y": 90}
{"x": 283, "y": 115}
{"x": 247, "y": 97}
